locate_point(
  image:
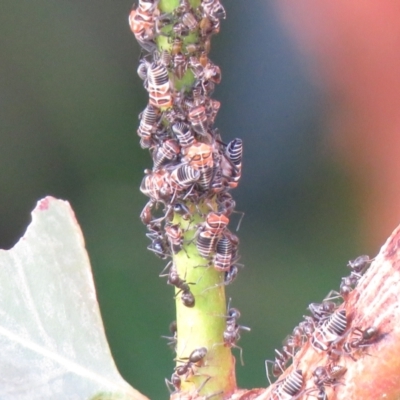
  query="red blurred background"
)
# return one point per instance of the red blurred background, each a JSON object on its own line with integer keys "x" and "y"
{"x": 353, "y": 50}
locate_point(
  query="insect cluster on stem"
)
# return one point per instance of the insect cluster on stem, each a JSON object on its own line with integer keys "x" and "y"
{"x": 191, "y": 163}
{"x": 193, "y": 169}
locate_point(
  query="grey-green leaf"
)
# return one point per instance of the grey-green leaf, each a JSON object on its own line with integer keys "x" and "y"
{"x": 52, "y": 340}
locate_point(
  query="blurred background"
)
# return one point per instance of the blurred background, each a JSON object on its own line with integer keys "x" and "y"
{"x": 311, "y": 87}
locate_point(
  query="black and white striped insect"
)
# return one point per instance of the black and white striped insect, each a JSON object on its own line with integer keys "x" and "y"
{"x": 179, "y": 65}
{"x": 183, "y": 177}
{"x": 159, "y": 86}
{"x": 200, "y": 157}
{"x": 206, "y": 243}
{"x": 206, "y": 176}
{"x": 209, "y": 233}
{"x": 148, "y": 126}
{"x": 329, "y": 332}
{"x": 183, "y": 133}
{"x": 190, "y": 21}
{"x": 142, "y": 21}
{"x": 217, "y": 182}
{"x": 167, "y": 152}
{"x": 234, "y": 151}
{"x": 223, "y": 254}
{"x": 197, "y": 117}
{"x": 213, "y": 9}
{"x": 156, "y": 185}
{"x": 226, "y": 252}
{"x": 290, "y": 388}
{"x": 234, "y": 154}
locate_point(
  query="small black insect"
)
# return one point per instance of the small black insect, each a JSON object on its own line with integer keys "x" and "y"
{"x": 232, "y": 330}
{"x": 195, "y": 357}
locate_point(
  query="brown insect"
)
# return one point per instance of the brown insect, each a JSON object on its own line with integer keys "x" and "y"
{"x": 142, "y": 23}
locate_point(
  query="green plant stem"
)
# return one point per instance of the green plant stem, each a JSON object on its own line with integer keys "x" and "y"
{"x": 202, "y": 325}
